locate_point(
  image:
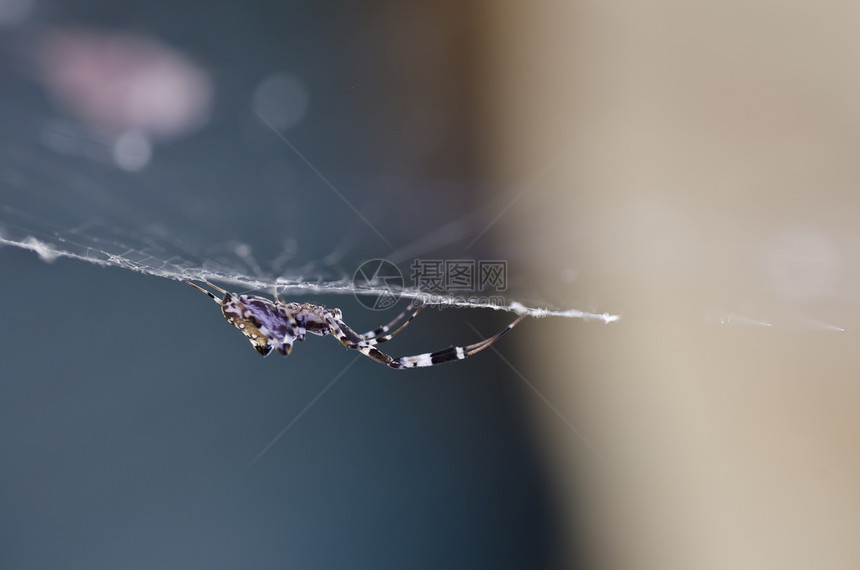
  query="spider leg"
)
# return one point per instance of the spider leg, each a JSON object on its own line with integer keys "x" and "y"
{"x": 350, "y": 339}
{"x": 278, "y": 298}
{"x": 213, "y": 297}
{"x": 375, "y": 336}
{"x": 217, "y": 288}
{"x": 453, "y": 353}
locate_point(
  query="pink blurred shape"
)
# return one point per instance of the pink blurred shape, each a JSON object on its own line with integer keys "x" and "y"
{"x": 119, "y": 81}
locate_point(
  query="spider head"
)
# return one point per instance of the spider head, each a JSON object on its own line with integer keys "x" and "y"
{"x": 263, "y": 350}
{"x": 251, "y": 315}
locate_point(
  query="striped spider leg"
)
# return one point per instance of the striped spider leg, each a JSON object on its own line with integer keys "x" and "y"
{"x": 277, "y": 325}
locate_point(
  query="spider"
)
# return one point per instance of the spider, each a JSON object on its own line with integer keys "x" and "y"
{"x": 277, "y": 324}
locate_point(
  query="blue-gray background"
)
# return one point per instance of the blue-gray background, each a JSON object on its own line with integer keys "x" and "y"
{"x": 131, "y": 413}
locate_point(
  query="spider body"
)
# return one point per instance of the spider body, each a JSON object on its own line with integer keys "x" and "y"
{"x": 276, "y": 325}
{"x": 273, "y": 326}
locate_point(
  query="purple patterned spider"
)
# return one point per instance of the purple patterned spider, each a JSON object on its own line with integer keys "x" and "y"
{"x": 277, "y": 324}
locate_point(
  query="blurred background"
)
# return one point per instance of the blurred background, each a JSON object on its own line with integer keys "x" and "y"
{"x": 690, "y": 167}
{"x": 714, "y": 204}
{"x": 255, "y": 141}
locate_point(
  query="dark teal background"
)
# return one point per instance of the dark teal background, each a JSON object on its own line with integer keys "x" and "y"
{"x": 131, "y": 412}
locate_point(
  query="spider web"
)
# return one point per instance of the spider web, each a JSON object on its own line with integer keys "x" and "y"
{"x": 155, "y": 249}
{"x": 251, "y": 211}
{"x": 276, "y": 192}
{"x": 257, "y": 171}
{"x": 276, "y": 180}
{"x": 279, "y": 149}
